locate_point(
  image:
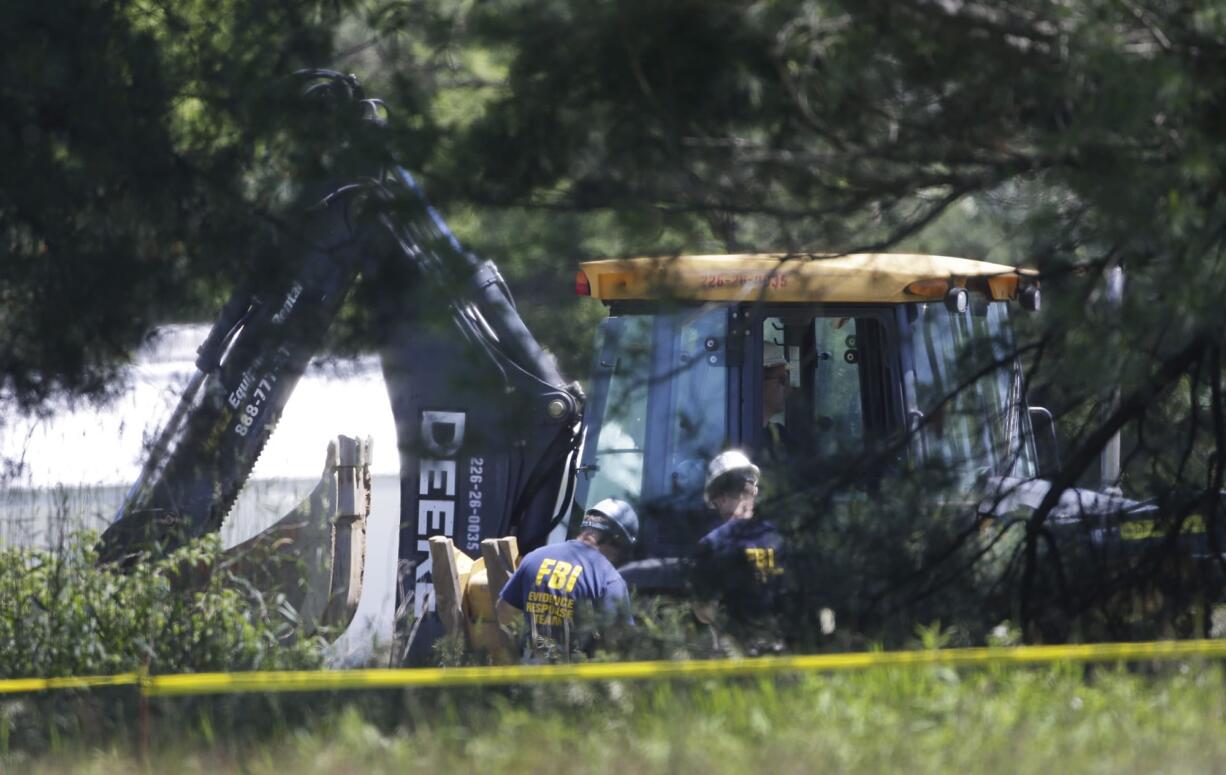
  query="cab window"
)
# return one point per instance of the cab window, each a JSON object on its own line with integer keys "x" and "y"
{"x": 624, "y": 353}
{"x": 827, "y": 387}
{"x": 659, "y": 408}
{"x": 969, "y": 391}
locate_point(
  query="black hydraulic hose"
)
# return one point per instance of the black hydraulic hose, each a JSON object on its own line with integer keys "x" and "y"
{"x": 233, "y": 314}
{"x": 490, "y": 294}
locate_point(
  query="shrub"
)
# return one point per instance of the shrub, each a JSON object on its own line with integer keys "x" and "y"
{"x": 61, "y": 614}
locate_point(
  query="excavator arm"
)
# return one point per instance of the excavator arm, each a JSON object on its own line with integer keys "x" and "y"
{"x": 487, "y": 429}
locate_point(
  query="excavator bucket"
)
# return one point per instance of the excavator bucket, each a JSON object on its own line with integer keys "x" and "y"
{"x": 313, "y": 557}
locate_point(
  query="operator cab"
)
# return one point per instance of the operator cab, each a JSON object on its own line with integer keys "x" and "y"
{"x": 815, "y": 364}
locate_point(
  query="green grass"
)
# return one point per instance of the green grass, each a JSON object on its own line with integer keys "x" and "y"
{"x": 1050, "y": 720}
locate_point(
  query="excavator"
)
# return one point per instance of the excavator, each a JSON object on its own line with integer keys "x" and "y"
{"x": 486, "y": 427}
{"x": 906, "y": 356}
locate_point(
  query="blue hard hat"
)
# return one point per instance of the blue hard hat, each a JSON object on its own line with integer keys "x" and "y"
{"x": 615, "y": 517}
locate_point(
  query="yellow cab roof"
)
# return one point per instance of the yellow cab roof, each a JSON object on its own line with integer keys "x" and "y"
{"x": 792, "y": 277}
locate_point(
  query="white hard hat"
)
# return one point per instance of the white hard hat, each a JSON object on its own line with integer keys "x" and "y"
{"x": 773, "y": 355}
{"x": 728, "y": 462}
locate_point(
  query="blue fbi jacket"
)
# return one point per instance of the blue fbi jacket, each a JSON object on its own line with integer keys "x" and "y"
{"x": 551, "y": 581}
{"x": 742, "y": 562}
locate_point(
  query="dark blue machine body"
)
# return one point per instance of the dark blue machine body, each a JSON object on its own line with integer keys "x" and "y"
{"x": 486, "y": 427}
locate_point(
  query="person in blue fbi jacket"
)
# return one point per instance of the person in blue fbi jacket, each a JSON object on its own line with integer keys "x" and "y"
{"x": 568, "y": 592}
{"x": 738, "y": 568}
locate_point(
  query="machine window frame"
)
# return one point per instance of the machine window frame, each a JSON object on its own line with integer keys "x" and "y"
{"x": 749, "y": 422}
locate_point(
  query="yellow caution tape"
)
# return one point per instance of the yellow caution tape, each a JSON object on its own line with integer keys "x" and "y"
{"x": 332, "y": 680}
{"x": 17, "y": 685}
{"x": 289, "y": 681}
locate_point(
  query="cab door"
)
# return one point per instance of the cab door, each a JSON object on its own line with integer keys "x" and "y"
{"x": 822, "y": 383}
